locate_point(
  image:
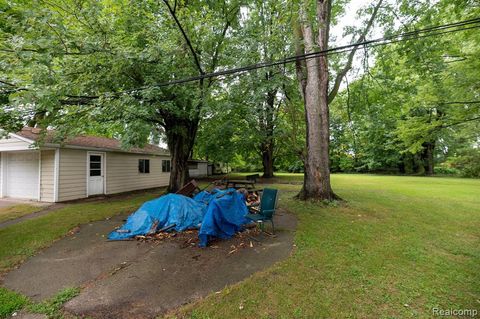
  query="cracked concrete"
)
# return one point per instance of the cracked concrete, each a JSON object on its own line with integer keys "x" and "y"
{"x": 131, "y": 279}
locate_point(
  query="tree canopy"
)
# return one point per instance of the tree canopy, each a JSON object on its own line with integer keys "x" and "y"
{"x": 99, "y": 67}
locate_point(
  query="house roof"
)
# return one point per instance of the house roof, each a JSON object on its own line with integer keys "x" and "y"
{"x": 88, "y": 141}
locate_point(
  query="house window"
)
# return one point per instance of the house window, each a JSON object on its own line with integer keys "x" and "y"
{"x": 95, "y": 165}
{"x": 144, "y": 166}
{"x": 166, "y": 166}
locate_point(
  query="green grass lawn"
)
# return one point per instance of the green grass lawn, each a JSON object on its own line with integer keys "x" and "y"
{"x": 398, "y": 247}
{"x": 279, "y": 177}
{"x": 16, "y": 211}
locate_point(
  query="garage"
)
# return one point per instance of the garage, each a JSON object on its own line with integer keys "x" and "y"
{"x": 21, "y": 174}
{"x": 34, "y": 167}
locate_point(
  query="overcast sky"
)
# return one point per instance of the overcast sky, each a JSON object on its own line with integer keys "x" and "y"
{"x": 351, "y": 19}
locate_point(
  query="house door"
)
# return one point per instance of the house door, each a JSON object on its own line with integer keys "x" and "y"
{"x": 96, "y": 174}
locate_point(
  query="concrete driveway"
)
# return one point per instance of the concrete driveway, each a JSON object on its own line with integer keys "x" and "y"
{"x": 43, "y": 209}
{"x": 132, "y": 279}
{"x": 8, "y": 202}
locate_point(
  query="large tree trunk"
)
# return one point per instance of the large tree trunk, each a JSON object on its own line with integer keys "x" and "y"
{"x": 316, "y": 184}
{"x": 180, "y": 139}
{"x": 312, "y": 75}
{"x": 428, "y": 157}
{"x": 267, "y": 160}
{"x": 268, "y": 127}
{"x": 428, "y": 154}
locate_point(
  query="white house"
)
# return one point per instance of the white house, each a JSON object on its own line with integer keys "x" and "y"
{"x": 81, "y": 167}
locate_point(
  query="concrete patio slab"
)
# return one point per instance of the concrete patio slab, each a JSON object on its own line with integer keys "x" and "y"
{"x": 8, "y": 202}
{"x": 73, "y": 261}
{"x": 131, "y": 279}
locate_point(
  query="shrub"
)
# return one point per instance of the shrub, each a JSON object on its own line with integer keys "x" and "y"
{"x": 445, "y": 170}
{"x": 467, "y": 163}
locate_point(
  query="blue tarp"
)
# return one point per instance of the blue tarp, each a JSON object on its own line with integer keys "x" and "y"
{"x": 221, "y": 213}
{"x": 164, "y": 211}
{"x": 224, "y": 217}
{"x": 205, "y": 197}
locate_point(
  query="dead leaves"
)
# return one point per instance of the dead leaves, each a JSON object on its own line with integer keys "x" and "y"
{"x": 189, "y": 239}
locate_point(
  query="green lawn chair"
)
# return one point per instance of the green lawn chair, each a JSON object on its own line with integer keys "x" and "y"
{"x": 268, "y": 204}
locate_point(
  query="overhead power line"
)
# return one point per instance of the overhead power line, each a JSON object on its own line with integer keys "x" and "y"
{"x": 462, "y": 102}
{"x": 396, "y": 38}
{"x": 401, "y": 37}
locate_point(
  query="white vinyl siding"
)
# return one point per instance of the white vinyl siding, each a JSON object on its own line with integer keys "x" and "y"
{"x": 13, "y": 144}
{"x": 47, "y": 177}
{"x": 123, "y": 174}
{"x": 72, "y": 180}
{"x": 201, "y": 169}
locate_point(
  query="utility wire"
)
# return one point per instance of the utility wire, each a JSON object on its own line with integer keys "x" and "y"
{"x": 396, "y": 38}
{"x": 406, "y": 36}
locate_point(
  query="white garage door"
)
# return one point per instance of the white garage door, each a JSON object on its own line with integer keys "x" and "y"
{"x": 22, "y": 175}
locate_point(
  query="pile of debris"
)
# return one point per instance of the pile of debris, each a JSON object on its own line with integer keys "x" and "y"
{"x": 253, "y": 201}
{"x": 215, "y": 212}
{"x": 189, "y": 238}
{"x": 245, "y": 239}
